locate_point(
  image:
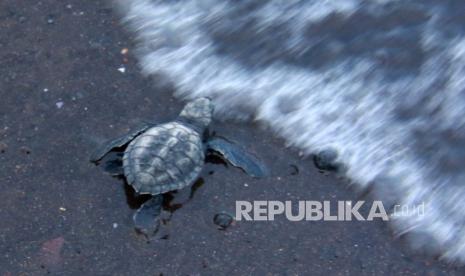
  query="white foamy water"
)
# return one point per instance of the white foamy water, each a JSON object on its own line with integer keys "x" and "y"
{"x": 380, "y": 81}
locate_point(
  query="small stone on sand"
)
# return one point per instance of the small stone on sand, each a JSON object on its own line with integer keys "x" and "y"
{"x": 50, "y": 252}
{"x": 223, "y": 220}
{"x": 50, "y": 20}
{"x": 59, "y": 104}
{"x": 3, "y": 147}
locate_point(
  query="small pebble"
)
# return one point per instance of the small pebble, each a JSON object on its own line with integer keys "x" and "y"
{"x": 62, "y": 209}
{"x": 50, "y": 20}
{"x": 246, "y": 185}
{"x": 3, "y": 147}
{"x": 69, "y": 6}
{"x": 223, "y": 220}
{"x": 124, "y": 51}
{"x": 59, "y": 104}
{"x": 25, "y": 150}
{"x": 45, "y": 89}
{"x": 122, "y": 69}
{"x": 294, "y": 170}
{"x": 50, "y": 252}
{"x": 115, "y": 225}
{"x": 326, "y": 160}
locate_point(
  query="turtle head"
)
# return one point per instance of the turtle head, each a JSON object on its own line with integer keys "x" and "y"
{"x": 198, "y": 112}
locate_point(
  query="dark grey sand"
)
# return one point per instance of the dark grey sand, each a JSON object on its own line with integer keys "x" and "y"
{"x": 61, "y": 94}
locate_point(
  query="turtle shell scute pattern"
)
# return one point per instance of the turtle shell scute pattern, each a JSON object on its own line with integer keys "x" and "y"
{"x": 164, "y": 158}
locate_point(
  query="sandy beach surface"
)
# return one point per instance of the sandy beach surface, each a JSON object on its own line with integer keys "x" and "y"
{"x": 67, "y": 84}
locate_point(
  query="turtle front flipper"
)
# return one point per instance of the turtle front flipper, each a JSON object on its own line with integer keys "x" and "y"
{"x": 146, "y": 219}
{"x": 114, "y": 164}
{"x": 237, "y": 156}
{"x": 118, "y": 142}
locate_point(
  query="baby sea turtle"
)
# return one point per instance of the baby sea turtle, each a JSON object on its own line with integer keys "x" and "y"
{"x": 167, "y": 157}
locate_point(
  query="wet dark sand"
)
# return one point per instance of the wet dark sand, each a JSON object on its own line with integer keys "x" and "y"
{"x": 60, "y": 214}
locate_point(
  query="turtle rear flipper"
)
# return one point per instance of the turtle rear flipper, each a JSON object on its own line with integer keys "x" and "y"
{"x": 238, "y": 157}
{"x": 116, "y": 143}
{"x": 146, "y": 219}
